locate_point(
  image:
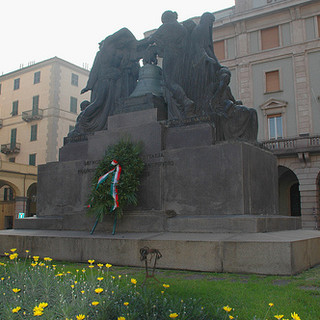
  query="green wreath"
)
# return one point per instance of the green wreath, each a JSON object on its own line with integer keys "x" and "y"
{"x": 101, "y": 202}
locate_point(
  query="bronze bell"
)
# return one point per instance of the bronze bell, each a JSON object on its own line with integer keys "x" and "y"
{"x": 150, "y": 81}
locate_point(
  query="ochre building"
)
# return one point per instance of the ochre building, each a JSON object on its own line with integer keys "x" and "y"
{"x": 39, "y": 105}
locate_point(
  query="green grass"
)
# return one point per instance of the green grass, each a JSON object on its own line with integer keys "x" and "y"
{"x": 248, "y": 295}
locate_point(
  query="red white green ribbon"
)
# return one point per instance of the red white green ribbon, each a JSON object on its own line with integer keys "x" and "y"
{"x": 115, "y": 180}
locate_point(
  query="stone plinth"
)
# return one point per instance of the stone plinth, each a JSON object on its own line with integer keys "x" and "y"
{"x": 190, "y": 184}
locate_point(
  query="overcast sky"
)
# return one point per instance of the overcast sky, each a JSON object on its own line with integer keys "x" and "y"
{"x": 36, "y": 30}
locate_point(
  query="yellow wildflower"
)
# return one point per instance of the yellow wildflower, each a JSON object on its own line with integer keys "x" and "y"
{"x": 166, "y": 286}
{"x": 13, "y": 250}
{"x": 72, "y": 286}
{"x": 80, "y": 316}
{"x": 121, "y": 318}
{"x": 16, "y": 290}
{"x": 43, "y": 305}
{"x": 227, "y": 308}
{"x": 82, "y": 291}
{"x": 133, "y": 281}
{"x": 100, "y": 278}
{"x": 35, "y": 258}
{"x": 100, "y": 265}
{"x": 37, "y": 311}
{"x": 91, "y": 261}
{"x": 279, "y": 316}
{"x": 27, "y": 251}
{"x": 59, "y": 274}
{"x": 108, "y": 265}
{"x": 16, "y": 309}
{"x": 98, "y": 290}
{"x": 33, "y": 264}
{"x": 95, "y": 303}
{"x": 231, "y": 317}
{"x": 271, "y": 304}
{"x": 2, "y": 264}
{"x": 162, "y": 292}
{"x": 119, "y": 276}
{"x": 2, "y": 278}
{"x": 173, "y": 315}
{"x": 91, "y": 266}
{"x": 126, "y": 304}
{"x": 295, "y": 316}
{"x": 47, "y": 259}
{"x": 13, "y": 256}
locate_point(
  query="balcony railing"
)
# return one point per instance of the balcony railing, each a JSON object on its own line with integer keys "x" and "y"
{"x": 293, "y": 145}
{"x": 32, "y": 115}
{"x": 10, "y": 148}
{"x": 1, "y": 123}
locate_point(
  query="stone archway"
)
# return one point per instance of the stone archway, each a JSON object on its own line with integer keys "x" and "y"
{"x": 8, "y": 193}
{"x": 289, "y": 193}
{"x": 31, "y": 200}
{"x": 317, "y": 209}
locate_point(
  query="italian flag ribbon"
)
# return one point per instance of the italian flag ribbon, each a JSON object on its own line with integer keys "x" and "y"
{"x": 115, "y": 179}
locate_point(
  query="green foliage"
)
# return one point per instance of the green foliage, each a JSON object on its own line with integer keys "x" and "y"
{"x": 67, "y": 295}
{"x": 127, "y": 154}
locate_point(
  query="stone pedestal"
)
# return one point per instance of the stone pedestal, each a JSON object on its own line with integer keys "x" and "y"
{"x": 190, "y": 184}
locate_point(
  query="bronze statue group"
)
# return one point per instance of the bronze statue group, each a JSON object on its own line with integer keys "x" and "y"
{"x": 195, "y": 83}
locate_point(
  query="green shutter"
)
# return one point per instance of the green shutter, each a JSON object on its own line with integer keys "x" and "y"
{"x": 13, "y": 138}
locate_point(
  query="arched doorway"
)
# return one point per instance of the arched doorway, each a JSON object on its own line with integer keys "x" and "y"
{"x": 7, "y": 205}
{"x": 32, "y": 200}
{"x": 289, "y": 194}
{"x": 317, "y": 209}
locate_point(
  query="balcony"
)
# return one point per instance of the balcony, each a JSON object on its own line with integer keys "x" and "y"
{"x": 295, "y": 145}
{"x": 32, "y": 115}
{"x": 10, "y": 148}
{"x": 1, "y": 123}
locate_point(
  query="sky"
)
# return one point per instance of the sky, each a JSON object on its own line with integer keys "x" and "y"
{"x": 36, "y": 30}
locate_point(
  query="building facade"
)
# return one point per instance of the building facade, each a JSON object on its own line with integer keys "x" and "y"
{"x": 272, "y": 48}
{"x": 39, "y": 105}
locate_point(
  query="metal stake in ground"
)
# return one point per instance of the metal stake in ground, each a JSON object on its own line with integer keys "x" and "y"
{"x": 153, "y": 254}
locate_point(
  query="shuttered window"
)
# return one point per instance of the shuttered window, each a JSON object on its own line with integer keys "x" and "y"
{"x": 270, "y": 38}
{"x": 219, "y": 50}
{"x": 272, "y": 81}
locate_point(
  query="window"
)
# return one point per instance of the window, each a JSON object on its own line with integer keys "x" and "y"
{"x": 272, "y": 81}
{"x": 16, "y": 84}
{"x": 15, "y": 108}
{"x": 270, "y": 38}
{"x": 13, "y": 138}
{"x": 7, "y": 194}
{"x": 73, "y": 104}
{"x": 275, "y": 127}
{"x": 35, "y": 105}
{"x": 12, "y": 159}
{"x": 36, "y": 77}
{"x": 32, "y": 159}
{"x": 74, "y": 79}
{"x": 219, "y": 49}
{"x": 34, "y": 131}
